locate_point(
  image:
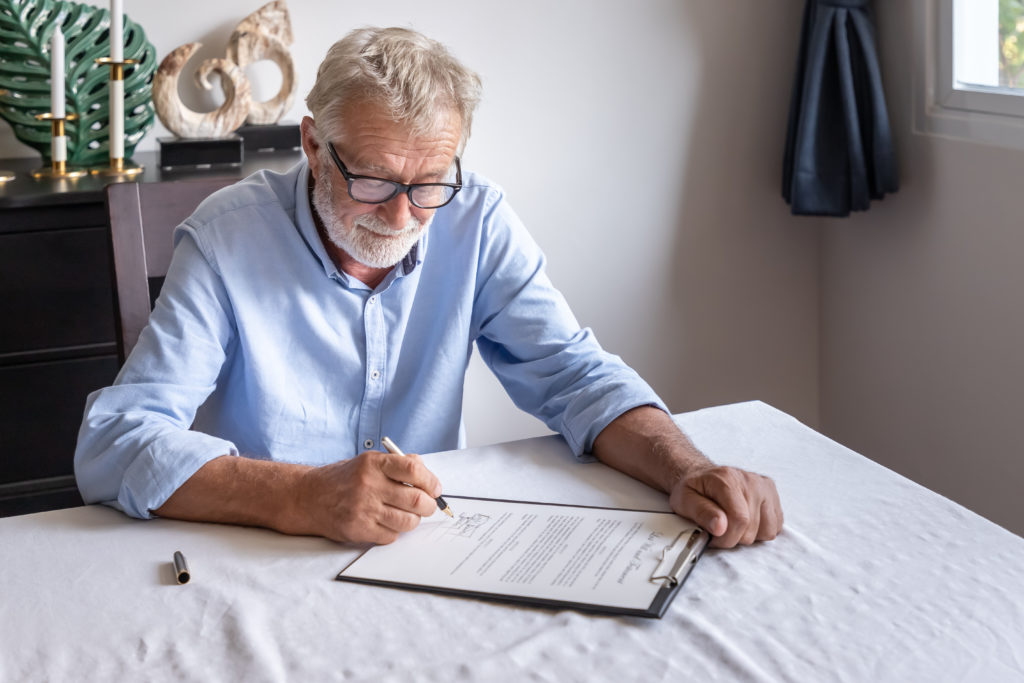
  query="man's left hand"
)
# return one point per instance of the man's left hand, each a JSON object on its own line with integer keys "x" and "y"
{"x": 733, "y": 505}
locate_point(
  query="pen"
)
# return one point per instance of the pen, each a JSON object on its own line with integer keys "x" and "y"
{"x": 393, "y": 448}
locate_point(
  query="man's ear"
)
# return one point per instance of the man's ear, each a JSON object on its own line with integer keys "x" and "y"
{"x": 310, "y": 144}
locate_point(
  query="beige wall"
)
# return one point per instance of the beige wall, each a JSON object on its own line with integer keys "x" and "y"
{"x": 923, "y": 310}
{"x": 703, "y": 282}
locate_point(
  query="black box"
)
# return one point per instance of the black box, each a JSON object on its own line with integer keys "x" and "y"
{"x": 274, "y": 136}
{"x": 194, "y": 153}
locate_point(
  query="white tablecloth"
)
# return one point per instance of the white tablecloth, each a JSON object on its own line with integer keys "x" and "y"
{"x": 873, "y": 579}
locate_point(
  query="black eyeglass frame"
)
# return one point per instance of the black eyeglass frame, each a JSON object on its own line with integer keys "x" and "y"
{"x": 398, "y": 187}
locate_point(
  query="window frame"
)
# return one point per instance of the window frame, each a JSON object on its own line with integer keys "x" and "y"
{"x": 973, "y": 112}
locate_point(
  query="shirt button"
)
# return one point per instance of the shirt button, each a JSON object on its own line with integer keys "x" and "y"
{"x": 368, "y": 443}
{"x": 372, "y": 300}
{"x": 375, "y": 374}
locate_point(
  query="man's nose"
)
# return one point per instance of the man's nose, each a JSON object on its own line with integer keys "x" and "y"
{"x": 397, "y": 211}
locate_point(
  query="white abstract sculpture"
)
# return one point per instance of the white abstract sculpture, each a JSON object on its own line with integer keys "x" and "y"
{"x": 186, "y": 123}
{"x": 264, "y": 34}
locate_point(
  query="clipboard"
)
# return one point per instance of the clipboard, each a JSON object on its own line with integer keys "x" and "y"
{"x": 586, "y": 558}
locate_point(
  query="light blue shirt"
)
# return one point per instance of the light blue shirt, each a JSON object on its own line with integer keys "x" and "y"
{"x": 293, "y": 360}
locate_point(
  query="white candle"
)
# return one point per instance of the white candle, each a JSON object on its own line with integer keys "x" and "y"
{"x": 116, "y": 30}
{"x": 57, "y": 74}
{"x": 116, "y": 119}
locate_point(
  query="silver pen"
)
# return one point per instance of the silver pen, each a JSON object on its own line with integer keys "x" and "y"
{"x": 442, "y": 505}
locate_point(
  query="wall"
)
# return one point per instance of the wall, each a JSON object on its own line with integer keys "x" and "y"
{"x": 922, "y": 325}
{"x": 642, "y": 143}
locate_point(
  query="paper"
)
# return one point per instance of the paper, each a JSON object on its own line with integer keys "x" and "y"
{"x": 567, "y": 554}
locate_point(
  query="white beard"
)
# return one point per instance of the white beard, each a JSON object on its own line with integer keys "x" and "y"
{"x": 370, "y": 240}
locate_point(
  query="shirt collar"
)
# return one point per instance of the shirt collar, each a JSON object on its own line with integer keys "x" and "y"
{"x": 310, "y": 235}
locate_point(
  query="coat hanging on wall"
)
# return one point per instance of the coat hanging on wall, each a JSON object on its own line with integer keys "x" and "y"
{"x": 839, "y": 152}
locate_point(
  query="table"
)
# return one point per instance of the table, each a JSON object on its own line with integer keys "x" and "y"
{"x": 873, "y": 579}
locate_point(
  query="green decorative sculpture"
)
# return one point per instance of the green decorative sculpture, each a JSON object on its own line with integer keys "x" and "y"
{"x": 25, "y": 29}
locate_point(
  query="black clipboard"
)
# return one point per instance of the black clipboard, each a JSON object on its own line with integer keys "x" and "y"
{"x": 677, "y": 560}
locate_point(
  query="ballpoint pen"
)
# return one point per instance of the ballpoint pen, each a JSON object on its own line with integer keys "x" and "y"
{"x": 393, "y": 448}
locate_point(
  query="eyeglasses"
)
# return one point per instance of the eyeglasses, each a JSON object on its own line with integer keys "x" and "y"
{"x": 370, "y": 190}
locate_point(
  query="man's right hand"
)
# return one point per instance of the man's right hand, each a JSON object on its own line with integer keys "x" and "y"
{"x": 366, "y": 499}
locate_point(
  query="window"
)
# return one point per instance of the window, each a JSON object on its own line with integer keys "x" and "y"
{"x": 1011, "y": 44}
{"x": 973, "y": 72}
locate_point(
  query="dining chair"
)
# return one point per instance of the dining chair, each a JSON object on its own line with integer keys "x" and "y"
{"x": 142, "y": 218}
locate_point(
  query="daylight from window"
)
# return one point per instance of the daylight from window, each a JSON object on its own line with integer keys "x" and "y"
{"x": 988, "y": 45}
{"x": 1011, "y": 43}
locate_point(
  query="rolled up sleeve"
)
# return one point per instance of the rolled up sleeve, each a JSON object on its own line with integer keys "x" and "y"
{"x": 135, "y": 447}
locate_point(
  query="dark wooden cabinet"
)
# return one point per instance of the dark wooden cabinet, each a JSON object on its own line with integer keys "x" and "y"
{"x": 56, "y": 289}
{"x": 57, "y": 340}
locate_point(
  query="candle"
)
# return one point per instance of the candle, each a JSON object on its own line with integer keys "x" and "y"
{"x": 57, "y": 74}
{"x": 117, "y": 118}
{"x": 116, "y": 31}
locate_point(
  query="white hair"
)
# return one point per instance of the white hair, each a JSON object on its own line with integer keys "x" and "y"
{"x": 412, "y": 77}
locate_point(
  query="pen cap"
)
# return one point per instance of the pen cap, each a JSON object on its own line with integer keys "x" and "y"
{"x": 181, "y": 572}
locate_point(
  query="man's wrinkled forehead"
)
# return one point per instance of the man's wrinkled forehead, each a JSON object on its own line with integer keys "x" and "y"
{"x": 367, "y": 132}
{"x": 371, "y": 116}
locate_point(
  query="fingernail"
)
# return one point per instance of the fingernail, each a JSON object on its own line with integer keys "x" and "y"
{"x": 714, "y": 526}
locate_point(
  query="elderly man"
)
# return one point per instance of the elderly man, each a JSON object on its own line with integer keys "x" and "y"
{"x": 314, "y": 312}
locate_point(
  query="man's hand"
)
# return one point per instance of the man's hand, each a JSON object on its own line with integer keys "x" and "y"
{"x": 735, "y": 506}
{"x": 366, "y": 499}
{"x": 370, "y": 498}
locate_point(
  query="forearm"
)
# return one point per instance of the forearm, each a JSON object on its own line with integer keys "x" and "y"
{"x": 238, "y": 490}
{"x": 646, "y": 444}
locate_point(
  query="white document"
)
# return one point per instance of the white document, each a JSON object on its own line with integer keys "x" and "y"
{"x": 607, "y": 559}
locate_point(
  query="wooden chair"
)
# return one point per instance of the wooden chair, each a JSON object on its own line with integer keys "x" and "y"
{"x": 142, "y": 221}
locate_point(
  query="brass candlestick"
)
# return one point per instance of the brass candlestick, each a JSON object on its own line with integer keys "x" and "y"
{"x": 118, "y": 166}
{"x": 58, "y": 167}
